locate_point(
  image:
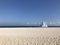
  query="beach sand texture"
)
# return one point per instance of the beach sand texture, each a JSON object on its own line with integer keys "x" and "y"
{"x": 29, "y": 36}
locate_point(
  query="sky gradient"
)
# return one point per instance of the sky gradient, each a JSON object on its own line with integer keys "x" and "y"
{"x": 29, "y": 11}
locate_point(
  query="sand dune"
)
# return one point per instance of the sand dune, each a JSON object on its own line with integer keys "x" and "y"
{"x": 29, "y": 36}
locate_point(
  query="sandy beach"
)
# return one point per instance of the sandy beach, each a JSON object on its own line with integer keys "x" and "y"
{"x": 29, "y": 36}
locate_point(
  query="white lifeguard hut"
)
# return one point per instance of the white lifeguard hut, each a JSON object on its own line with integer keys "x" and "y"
{"x": 44, "y": 24}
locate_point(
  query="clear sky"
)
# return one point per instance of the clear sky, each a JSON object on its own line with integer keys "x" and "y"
{"x": 29, "y": 10}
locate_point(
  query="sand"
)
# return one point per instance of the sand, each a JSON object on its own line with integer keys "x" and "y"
{"x": 29, "y": 36}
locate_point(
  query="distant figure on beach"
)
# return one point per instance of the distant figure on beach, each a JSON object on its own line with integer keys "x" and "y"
{"x": 44, "y": 24}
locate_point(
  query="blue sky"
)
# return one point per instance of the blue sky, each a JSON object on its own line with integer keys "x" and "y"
{"x": 29, "y": 11}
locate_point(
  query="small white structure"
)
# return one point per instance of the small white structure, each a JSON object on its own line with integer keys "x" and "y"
{"x": 44, "y": 24}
